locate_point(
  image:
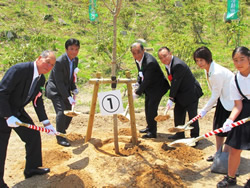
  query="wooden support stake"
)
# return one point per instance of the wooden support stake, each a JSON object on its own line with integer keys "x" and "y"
{"x": 131, "y": 111}
{"x": 96, "y": 83}
{"x": 92, "y": 110}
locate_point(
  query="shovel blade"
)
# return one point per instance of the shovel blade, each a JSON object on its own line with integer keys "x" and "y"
{"x": 71, "y": 113}
{"x": 183, "y": 142}
{"x": 179, "y": 129}
{"x": 122, "y": 118}
{"x": 160, "y": 118}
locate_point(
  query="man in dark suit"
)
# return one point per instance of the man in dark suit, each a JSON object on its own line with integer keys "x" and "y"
{"x": 21, "y": 84}
{"x": 185, "y": 91}
{"x": 152, "y": 83}
{"x": 62, "y": 84}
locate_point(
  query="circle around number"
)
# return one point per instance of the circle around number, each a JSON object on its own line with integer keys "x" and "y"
{"x": 114, "y": 109}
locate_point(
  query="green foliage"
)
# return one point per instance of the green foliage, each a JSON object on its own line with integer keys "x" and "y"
{"x": 160, "y": 23}
{"x": 26, "y": 49}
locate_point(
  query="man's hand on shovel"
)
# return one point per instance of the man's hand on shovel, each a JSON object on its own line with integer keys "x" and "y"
{"x": 41, "y": 129}
{"x": 72, "y": 100}
{"x": 71, "y": 113}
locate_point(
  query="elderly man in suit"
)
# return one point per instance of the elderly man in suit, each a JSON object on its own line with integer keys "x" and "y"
{"x": 62, "y": 84}
{"x": 152, "y": 83}
{"x": 21, "y": 84}
{"x": 185, "y": 91}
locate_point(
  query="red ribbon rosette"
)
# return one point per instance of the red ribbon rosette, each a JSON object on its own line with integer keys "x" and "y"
{"x": 38, "y": 95}
{"x": 170, "y": 77}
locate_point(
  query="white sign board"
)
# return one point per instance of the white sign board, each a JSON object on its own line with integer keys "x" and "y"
{"x": 110, "y": 102}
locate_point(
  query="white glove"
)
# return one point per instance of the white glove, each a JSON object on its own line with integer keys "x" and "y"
{"x": 11, "y": 121}
{"x": 135, "y": 85}
{"x": 202, "y": 113}
{"x": 169, "y": 104}
{"x": 135, "y": 96}
{"x": 52, "y": 129}
{"x": 71, "y": 100}
{"x": 75, "y": 91}
{"x": 226, "y": 125}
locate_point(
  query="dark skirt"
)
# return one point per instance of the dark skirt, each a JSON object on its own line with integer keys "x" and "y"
{"x": 239, "y": 137}
{"x": 220, "y": 116}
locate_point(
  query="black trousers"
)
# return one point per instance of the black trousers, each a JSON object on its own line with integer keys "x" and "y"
{"x": 62, "y": 121}
{"x": 180, "y": 116}
{"x": 32, "y": 140}
{"x": 151, "y": 108}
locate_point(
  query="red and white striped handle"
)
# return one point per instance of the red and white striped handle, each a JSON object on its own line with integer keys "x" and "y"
{"x": 220, "y": 130}
{"x": 41, "y": 129}
{"x": 195, "y": 118}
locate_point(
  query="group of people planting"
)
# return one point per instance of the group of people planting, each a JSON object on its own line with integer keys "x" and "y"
{"x": 25, "y": 82}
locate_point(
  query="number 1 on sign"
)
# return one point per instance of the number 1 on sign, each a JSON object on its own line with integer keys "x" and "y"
{"x": 110, "y": 102}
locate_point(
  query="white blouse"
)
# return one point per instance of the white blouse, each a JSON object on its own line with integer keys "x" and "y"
{"x": 219, "y": 79}
{"x": 244, "y": 84}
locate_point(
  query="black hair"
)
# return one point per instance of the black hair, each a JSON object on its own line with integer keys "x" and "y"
{"x": 242, "y": 50}
{"x": 203, "y": 53}
{"x": 71, "y": 42}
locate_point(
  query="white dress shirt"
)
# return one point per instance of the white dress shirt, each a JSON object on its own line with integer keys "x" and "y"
{"x": 169, "y": 66}
{"x": 218, "y": 79}
{"x": 244, "y": 84}
{"x": 140, "y": 64}
{"x": 36, "y": 74}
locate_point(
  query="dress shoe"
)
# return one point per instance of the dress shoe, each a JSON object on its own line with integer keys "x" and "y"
{"x": 144, "y": 130}
{"x": 35, "y": 171}
{"x": 149, "y": 135}
{"x": 62, "y": 141}
{"x": 210, "y": 158}
{"x": 176, "y": 136}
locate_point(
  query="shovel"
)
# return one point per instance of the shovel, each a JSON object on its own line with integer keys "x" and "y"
{"x": 123, "y": 117}
{"x": 163, "y": 117}
{"x": 181, "y": 128}
{"x": 71, "y": 113}
{"x": 41, "y": 129}
{"x": 191, "y": 141}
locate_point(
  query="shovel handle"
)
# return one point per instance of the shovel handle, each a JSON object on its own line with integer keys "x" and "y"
{"x": 41, "y": 129}
{"x": 166, "y": 111}
{"x": 220, "y": 130}
{"x": 126, "y": 110}
{"x": 73, "y": 105}
{"x": 192, "y": 121}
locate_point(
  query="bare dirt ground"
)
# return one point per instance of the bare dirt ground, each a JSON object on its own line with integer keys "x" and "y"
{"x": 95, "y": 163}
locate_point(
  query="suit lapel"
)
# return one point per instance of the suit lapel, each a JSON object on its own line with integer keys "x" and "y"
{"x": 144, "y": 62}
{"x": 66, "y": 64}
{"x": 29, "y": 80}
{"x": 172, "y": 63}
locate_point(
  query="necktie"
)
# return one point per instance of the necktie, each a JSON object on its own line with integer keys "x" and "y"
{"x": 169, "y": 75}
{"x": 71, "y": 64}
{"x": 32, "y": 88}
